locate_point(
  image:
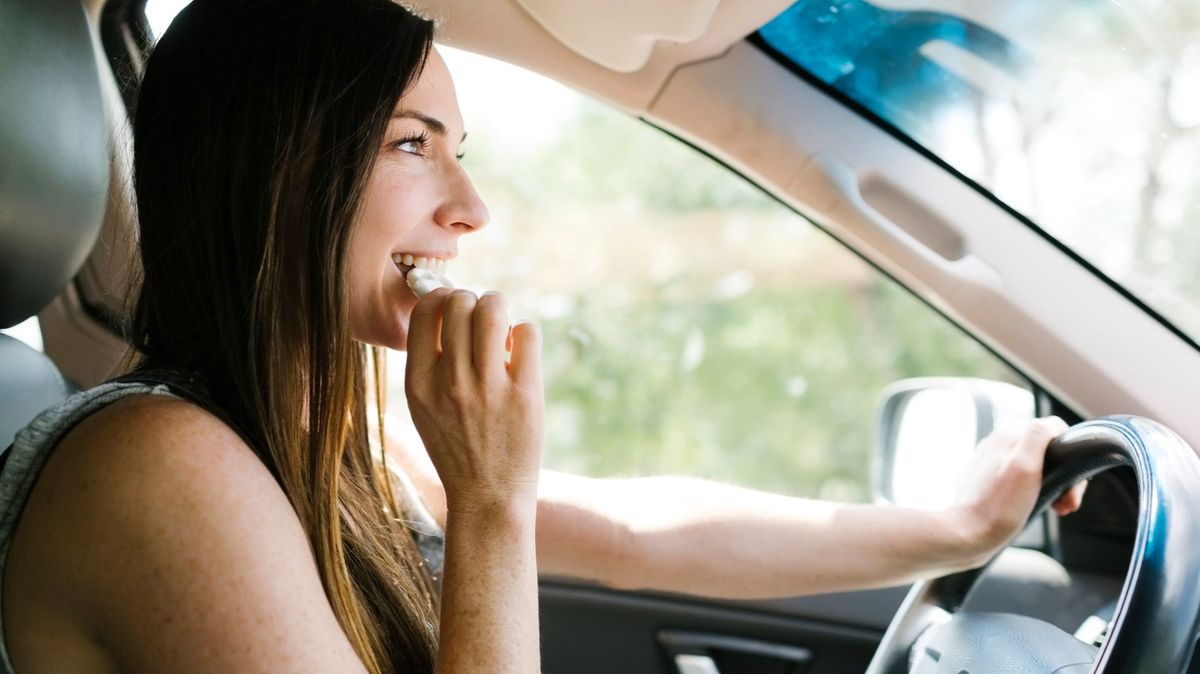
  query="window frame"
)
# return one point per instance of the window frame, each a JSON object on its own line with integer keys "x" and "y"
{"x": 865, "y": 113}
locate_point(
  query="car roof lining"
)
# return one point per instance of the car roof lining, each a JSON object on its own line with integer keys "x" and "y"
{"x": 569, "y": 51}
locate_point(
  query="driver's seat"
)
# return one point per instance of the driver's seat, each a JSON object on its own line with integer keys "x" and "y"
{"x": 54, "y": 172}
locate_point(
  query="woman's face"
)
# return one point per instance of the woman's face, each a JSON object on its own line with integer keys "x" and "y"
{"x": 418, "y": 202}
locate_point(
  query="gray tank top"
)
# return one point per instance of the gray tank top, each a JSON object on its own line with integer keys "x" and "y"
{"x": 21, "y": 464}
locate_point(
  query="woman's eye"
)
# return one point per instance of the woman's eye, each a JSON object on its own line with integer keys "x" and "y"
{"x": 413, "y": 145}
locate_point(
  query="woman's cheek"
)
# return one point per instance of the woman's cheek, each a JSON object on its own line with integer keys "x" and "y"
{"x": 368, "y": 313}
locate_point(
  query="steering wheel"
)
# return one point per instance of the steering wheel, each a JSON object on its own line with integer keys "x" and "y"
{"x": 1154, "y": 627}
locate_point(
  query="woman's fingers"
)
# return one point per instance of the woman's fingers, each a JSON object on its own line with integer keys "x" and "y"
{"x": 525, "y": 367}
{"x": 424, "y": 331}
{"x": 1070, "y": 501}
{"x": 490, "y": 327}
{"x": 455, "y": 328}
{"x": 1001, "y": 483}
{"x": 1038, "y": 437}
{"x": 1035, "y": 440}
{"x": 481, "y": 426}
{"x": 457, "y": 325}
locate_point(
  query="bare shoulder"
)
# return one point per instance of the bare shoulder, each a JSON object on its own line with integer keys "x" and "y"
{"x": 155, "y": 530}
{"x": 162, "y": 435}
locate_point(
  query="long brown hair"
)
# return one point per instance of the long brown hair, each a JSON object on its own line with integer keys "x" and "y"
{"x": 256, "y": 127}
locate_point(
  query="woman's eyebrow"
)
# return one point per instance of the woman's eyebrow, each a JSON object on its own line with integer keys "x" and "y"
{"x": 433, "y": 123}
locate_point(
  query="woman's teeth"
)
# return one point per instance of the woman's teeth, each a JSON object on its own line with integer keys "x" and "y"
{"x": 433, "y": 264}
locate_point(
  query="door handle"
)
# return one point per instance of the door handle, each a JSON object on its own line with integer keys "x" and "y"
{"x": 926, "y": 243}
{"x": 698, "y": 652}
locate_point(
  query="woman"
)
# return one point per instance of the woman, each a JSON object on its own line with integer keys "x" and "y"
{"x": 233, "y": 494}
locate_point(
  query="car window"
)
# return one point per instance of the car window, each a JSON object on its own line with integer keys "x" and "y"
{"x": 160, "y": 12}
{"x": 28, "y": 331}
{"x": 1082, "y": 115}
{"x": 693, "y": 325}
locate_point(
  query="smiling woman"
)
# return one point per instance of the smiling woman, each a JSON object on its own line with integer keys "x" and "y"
{"x": 271, "y": 201}
{"x": 266, "y": 309}
{"x": 296, "y": 166}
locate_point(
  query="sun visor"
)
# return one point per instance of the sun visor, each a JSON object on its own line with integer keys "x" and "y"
{"x": 621, "y": 34}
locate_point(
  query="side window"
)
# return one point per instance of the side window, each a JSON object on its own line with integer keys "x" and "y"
{"x": 28, "y": 331}
{"x": 160, "y": 12}
{"x": 692, "y": 324}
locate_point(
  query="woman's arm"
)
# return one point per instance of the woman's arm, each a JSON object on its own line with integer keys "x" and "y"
{"x": 480, "y": 418}
{"x": 699, "y": 537}
{"x": 640, "y": 533}
{"x": 704, "y": 538}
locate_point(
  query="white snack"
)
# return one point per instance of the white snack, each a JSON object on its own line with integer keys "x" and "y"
{"x": 424, "y": 281}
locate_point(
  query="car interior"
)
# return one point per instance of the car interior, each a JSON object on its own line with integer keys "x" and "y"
{"x": 700, "y": 71}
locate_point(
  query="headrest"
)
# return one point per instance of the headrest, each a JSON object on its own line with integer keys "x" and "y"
{"x": 53, "y": 151}
{"x": 30, "y": 384}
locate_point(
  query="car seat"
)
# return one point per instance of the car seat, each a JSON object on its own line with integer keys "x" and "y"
{"x": 54, "y": 173}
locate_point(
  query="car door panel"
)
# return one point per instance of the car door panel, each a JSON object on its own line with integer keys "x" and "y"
{"x": 588, "y": 629}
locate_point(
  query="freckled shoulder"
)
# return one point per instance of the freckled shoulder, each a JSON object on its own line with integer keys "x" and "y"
{"x": 188, "y": 539}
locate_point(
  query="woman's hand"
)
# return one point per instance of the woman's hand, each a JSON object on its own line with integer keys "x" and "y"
{"x": 479, "y": 412}
{"x": 998, "y": 489}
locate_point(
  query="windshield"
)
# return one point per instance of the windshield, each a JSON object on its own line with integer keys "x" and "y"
{"x": 1083, "y": 115}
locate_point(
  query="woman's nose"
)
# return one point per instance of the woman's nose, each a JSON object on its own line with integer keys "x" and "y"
{"x": 462, "y": 211}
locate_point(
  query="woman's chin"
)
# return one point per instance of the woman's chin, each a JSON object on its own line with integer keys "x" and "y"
{"x": 397, "y": 337}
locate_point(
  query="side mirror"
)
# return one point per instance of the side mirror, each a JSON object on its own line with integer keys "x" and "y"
{"x": 926, "y": 429}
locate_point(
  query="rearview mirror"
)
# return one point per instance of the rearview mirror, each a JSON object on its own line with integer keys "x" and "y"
{"x": 926, "y": 429}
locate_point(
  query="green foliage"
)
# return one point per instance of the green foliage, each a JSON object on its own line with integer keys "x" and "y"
{"x": 604, "y": 158}
{"x": 774, "y": 390}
